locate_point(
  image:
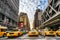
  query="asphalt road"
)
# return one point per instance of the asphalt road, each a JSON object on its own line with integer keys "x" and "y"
{"x": 26, "y": 37}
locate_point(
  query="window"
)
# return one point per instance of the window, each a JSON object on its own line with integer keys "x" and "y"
{"x": 44, "y": 20}
{"x": 45, "y": 14}
{"x": 50, "y": 14}
{"x": 51, "y": 3}
{"x": 49, "y": 8}
{"x": 2, "y": 0}
{"x": 2, "y": 30}
{"x": 53, "y": 13}
{"x": 0, "y": 17}
{"x": 55, "y": 1}
{"x": 59, "y": 8}
{"x": 47, "y": 17}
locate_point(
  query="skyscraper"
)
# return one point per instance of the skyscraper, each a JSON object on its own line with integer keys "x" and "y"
{"x": 37, "y": 18}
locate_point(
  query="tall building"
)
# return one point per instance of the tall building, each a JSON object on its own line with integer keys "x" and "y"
{"x": 51, "y": 16}
{"x": 37, "y": 18}
{"x": 9, "y": 12}
{"x": 24, "y": 21}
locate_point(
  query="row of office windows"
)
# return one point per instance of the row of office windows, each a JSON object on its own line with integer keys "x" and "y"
{"x": 49, "y": 11}
{"x": 7, "y": 21}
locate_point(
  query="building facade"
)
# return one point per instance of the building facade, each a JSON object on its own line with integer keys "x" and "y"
{"x": 37, "y": 18}
{"x": 23, "y": 18}
{"x": 9, "y": 12}
{"x": 51, "y": 16}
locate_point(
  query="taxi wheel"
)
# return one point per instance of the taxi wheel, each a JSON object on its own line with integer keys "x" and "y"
{"x": 18, "y": 34}
{"x": 9, "y": 37}
{"x": 57, "y": 34}
{"x": 4, "y": 35}
{"x": 22, "y": 34}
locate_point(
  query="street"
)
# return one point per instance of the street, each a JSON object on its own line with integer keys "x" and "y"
{"x": 25, "y": 19}
{"x": 25, "y": 37}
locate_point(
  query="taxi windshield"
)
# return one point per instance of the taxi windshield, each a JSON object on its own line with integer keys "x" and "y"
{"x": 33, "y": 30}
{"x": 14, "y": 30}
{"x": 59, "y": 29}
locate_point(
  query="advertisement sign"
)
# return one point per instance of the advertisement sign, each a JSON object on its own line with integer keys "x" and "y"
{"x": 22, "y": 24}
{"x": 21, "y": 19}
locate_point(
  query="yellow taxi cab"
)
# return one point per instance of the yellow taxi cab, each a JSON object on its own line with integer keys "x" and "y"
{"x": 20, "y": 33}
{"x": 48, "y": 33}
{"x": 33, "y": 33}
{"x": 13, "y": 33}
{"x": 58, "y": 32}
{"x": 2, "y": 31}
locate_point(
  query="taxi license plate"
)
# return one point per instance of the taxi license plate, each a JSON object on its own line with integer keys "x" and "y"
{"x": 51, "y": 32}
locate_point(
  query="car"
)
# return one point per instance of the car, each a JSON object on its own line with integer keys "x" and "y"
{"x": 3, "y": 31}
{"x": 20, "y": 33}
{"x": 13, "y": 33}
{"x": 58, "y": 32}
{"x": 33, "y": 33}
{"x": 48, "y": 33}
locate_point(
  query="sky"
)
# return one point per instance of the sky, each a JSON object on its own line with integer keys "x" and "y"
{"x": 30, "y": 6}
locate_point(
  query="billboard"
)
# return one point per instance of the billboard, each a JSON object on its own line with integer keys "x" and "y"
{"x": 21, "y": 19}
